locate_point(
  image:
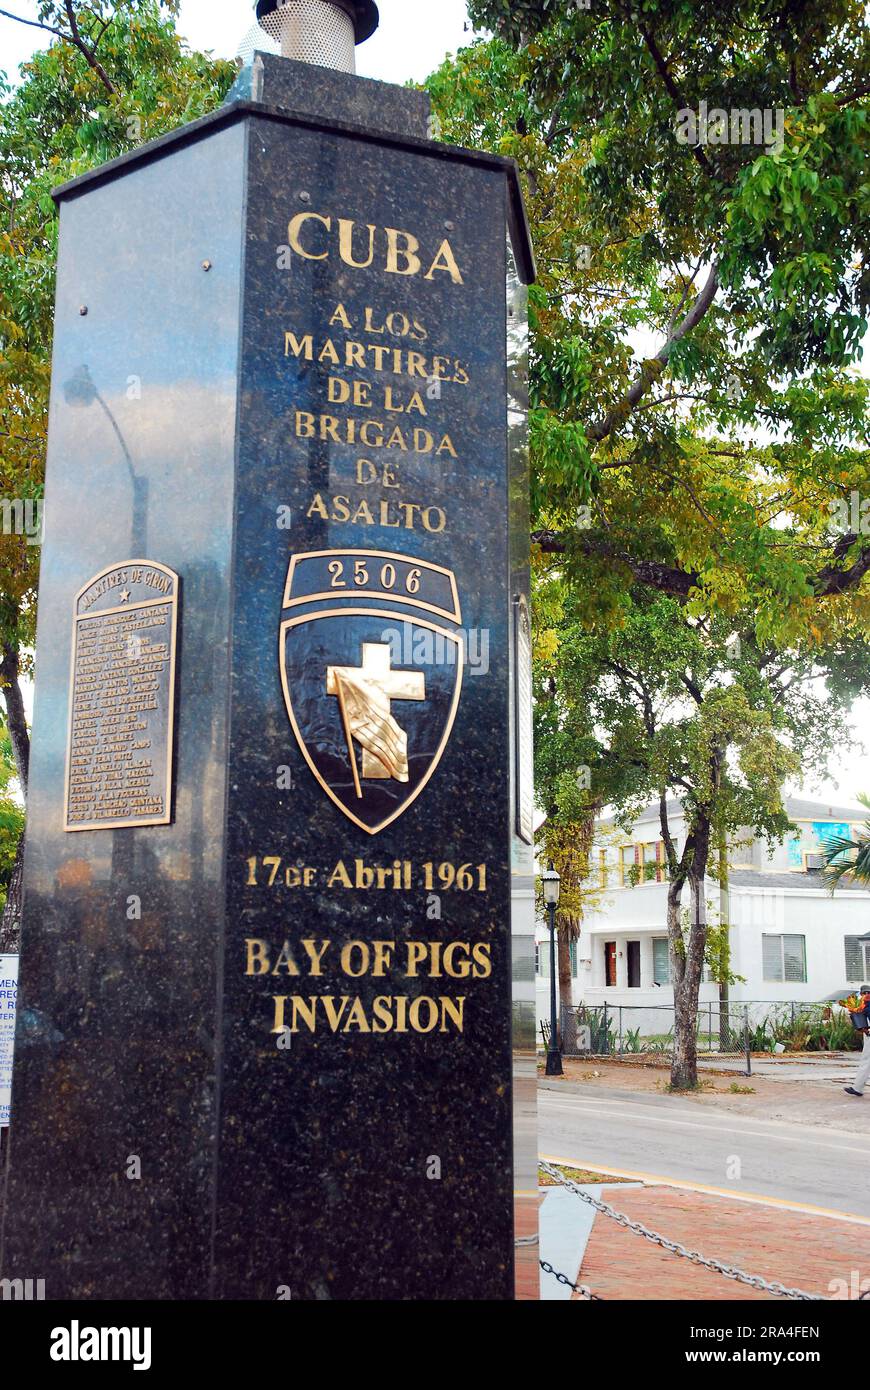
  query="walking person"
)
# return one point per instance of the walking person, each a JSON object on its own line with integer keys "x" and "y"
{"x": 863, "y": 1072}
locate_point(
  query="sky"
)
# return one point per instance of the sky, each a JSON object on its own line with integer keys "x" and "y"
{"x": 413, "y": 37}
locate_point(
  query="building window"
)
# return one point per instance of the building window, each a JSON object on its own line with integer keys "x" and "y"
{"x": 857, "y": 959}
{"x": 628, "y": 865}
{"x": 784, "y": 959}
{"x": 632, "y": 955}
{"x": 661, "y": 862}
{"x": 646, "y": 862}
{"x": 652, "y": 857}
{"x": 661, "y": 961}
{"x": 642, "y": 863}
{"x": 542, "y": 957}
{"x": 602, "y": 868}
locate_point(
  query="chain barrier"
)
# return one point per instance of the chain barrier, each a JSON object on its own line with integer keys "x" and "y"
{"x": 755, "y": 1281}
{"x": 583, "y": 1289}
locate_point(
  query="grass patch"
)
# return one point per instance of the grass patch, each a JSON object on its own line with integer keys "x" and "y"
{"x": 585, "y": 1175}
{"x": 700, "y": 1088}
{"x": 737, "y": 1090}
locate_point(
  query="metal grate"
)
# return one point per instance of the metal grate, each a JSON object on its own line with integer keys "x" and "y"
{"x": 311, "y": 31}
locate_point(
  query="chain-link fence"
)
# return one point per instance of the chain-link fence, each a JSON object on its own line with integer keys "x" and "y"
{"x": 735, "y": 1029}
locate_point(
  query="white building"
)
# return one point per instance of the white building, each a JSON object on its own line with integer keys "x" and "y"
{"x": 790, "y": 938}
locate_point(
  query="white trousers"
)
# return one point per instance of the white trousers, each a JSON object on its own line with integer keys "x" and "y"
{"x": 863, "y": 1071}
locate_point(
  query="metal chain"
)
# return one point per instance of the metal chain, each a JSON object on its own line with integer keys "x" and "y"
{"x": 583, "y": 1289}
{"x": 755, "y": 1281}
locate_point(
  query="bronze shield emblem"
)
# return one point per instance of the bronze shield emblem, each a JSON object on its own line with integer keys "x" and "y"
{"x": 371, "y": 657}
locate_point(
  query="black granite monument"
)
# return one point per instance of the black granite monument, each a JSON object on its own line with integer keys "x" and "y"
{"x": 271, "y": 1015}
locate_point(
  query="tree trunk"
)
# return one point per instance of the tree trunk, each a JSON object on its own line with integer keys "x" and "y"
{"x": 684, "y": 1062}
{"x": 675, "y": 932}
{"x": 10, "y": 672}
{"x": 684, "y": 1066}
{"x": 725, "y": 964}
{"x": 10, "y": 923}
{"x": 565, "y": 977}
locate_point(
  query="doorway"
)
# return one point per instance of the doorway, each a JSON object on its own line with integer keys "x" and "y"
{"x": 610, "y": 963}
{"x": 633, "y": 961}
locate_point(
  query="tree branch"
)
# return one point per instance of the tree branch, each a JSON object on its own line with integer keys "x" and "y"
{"x": 674, "y": 93}
{"x": 602, "y": 428}
{"x": 74, "y": 37}
{"x": 693, "y": 689}
{"x": 856, "y": 95}
{"x": 832, "y": 579}
{"x": 88, "y": 54}
{"x": 667, "y": 578}
{"x": 32, "y": 23}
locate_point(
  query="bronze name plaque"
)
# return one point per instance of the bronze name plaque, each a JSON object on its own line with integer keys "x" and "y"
{"x": 122, "y": 698}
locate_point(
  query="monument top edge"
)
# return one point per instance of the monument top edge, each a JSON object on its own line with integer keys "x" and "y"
{"x": 229, "y": 114}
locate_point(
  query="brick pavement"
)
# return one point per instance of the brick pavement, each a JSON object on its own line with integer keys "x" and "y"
{"x": 794, "y": 1248}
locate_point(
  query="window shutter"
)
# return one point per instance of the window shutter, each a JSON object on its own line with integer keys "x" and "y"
{"x": 771, "y": 954}
{"x": 661, "y": 962}
{"x": 794, "y": 952}
{"x": 853, "y": 959}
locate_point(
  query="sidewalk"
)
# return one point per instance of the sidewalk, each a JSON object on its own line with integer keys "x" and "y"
{"x": 795, "y": 1249}
{"x": 796, "y": 1090}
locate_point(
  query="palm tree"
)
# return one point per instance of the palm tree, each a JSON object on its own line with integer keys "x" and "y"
{"x": 846, "y": 856}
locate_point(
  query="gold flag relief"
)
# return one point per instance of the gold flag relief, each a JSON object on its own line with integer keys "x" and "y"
{"x": 367, "y": 713}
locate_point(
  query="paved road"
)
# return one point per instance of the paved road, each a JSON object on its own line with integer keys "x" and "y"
{"x": 665, "y": 1137}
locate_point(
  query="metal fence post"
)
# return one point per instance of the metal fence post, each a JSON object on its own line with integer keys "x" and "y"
{"x": 709, "y": 1027}
{"x": 746, "y": 1039}
{"x": 605, "y": 1044}
{"x": 620, "y": 1030}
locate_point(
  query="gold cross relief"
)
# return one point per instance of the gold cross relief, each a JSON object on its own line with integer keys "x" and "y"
{"x": 389, "y": 685}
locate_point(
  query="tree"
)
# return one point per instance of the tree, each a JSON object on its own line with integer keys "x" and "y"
{"x": 746, "y": 262}
{"x": 848, "y": 856}
{"x": 698, "y": 425}
{"x": 11, "y": 835}
{"x": 566, "y": 844}
{"x": 118, "y": 73}
{"x": 669, "y": 706}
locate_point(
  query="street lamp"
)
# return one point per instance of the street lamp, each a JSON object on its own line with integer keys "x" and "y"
{"x": 322, "y": 32}
{"x": 81, "y": 391}
{"x": 552, "y": 883}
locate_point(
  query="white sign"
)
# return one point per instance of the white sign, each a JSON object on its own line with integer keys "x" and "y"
{"x": 8, "y": 996}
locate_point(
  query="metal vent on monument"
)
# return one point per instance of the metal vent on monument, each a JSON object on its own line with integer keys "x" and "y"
{"x": 322, "y": 32}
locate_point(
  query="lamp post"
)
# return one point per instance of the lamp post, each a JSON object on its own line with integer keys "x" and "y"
{"x": 552, "y": 883}
{"x": 81, "y": 390}
{"x": 322, "y": 32}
